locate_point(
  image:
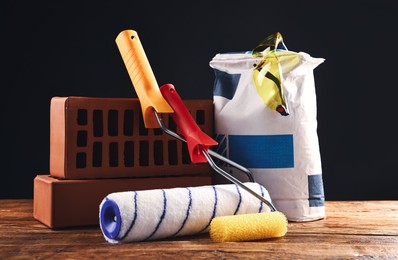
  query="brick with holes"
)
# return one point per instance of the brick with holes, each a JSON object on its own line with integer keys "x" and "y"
{"x": 93, "y": 138}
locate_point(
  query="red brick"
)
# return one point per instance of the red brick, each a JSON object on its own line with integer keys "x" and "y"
{"x": 88, "y": 139}
{"x": 71, "y": 203}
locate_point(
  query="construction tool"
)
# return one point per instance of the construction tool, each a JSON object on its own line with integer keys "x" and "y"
{"x": 154, "y": 102}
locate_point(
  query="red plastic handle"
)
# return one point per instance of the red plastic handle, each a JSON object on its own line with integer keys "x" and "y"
{"x": 194, "y": 136}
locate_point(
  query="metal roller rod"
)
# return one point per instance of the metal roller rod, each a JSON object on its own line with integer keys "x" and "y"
{"x": 215, "y": 167}
{"x": 211, "y": 152}
{"x": 234, "y": 180}
{"x": 232, "y": 163}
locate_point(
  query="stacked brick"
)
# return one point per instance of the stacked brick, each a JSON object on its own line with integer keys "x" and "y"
{"x": 99, "y": 146}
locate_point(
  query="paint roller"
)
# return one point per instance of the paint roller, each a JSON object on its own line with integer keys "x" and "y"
{"x": 225, "y": 225}
{"x": 229, "y": 227}
{"x": 166, "y": 213}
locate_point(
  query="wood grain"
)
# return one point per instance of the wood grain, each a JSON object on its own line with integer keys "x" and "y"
{"x": 352, "y": 230}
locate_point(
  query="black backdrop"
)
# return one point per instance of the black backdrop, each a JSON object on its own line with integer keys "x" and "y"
{"x": 62, "y": 48}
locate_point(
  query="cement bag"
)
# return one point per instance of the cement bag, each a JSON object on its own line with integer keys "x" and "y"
{"x": 265, "y": 119}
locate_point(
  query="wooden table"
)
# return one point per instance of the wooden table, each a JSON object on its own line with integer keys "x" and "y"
{"x": 352, "y": 230}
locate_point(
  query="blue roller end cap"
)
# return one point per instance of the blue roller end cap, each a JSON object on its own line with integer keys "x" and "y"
{"x": 110, "y": 219}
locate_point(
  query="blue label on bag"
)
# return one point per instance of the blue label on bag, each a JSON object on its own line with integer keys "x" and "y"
{"x": 225, "y": 84}
{"x": 315, "y": 191}
{"x": 259, "y": 151}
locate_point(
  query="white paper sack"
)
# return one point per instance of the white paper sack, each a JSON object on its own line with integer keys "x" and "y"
{"x": 281, "y": 151}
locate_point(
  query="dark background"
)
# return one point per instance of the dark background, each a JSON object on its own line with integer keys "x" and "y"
{"x": 60, "y": 48}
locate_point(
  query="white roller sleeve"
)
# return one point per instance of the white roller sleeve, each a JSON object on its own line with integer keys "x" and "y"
{"x": 162, "y": 213}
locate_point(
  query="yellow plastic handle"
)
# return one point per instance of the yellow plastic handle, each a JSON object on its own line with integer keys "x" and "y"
{"x": 142, "y": 77}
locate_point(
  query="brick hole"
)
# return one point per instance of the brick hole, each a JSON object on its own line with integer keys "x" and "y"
{"x": 98, "y": 123}
{"x": 128, "y": 122}
{"x": 172, "y": 152}
{"x": 200, "y": 117}
{"x": 142, "y": 129}
{"x": 113, "y": 154}
{"x": 82, "y": 138}
{"x": 158, "y": 152}
{"x": 157, "y": 131}
{"x": 186, "y": 159}
{"x": 172, "y": 125}
{"x": 113, "y": 122}
{"x": 144, "y": 153}
{"x": 97, "y": 154}
{"x": 81, "y": 160}
{"x": 82, "y": 117}
{"x": 129, "y": 154}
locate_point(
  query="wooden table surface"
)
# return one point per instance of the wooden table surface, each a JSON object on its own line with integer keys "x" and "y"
{"x": 351, "y": 230}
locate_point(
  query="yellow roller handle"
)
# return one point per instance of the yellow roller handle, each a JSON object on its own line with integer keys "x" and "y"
{"x": 142, "y": 77}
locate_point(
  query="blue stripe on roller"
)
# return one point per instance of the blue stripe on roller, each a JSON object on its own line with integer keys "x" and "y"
{"x": 161, "y": 217}
{"x": 225, "y": 84}
{"x": 262, "y": 151}
{"x": 240, "y": 199}
{"x": 186, "y": 214}
{"x": 315, "y": 191}
{"x": 134, "y": 218}
{"x": 214, "y": 209}
{"x": 261, "y": 202}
